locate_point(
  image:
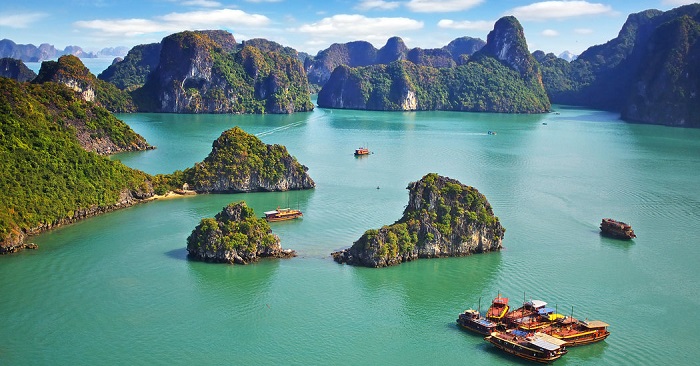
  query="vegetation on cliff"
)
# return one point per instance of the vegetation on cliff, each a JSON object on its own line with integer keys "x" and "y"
{"x": 47, "y": 177}
{"x": 235, "y": 235}
{"x": 648, "y": 72}
{"x": 15, "y": 69}
{"x": 443, "y": 218}
{"x": 132, "y": 72}
{"x": 208, "y": 72}
{"x": 69, "y": 70}
{"x": 240, "y": 162}
{"x": 501, "y": 77}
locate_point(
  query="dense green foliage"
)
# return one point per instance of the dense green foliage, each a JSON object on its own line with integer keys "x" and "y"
{"x": 15, "y": 69}
{"x": 45, "y": 175}
{"x": 444, "y": 204}
{"x": 235, "y": 228}
{"x": 482, "y": 84}
{"x": 132, "y": 72}
{"x": 70, "y": 70}
{"x": 198, "y": 74}
{"x": 236, "y": 156}
{"x": 637, "y": 72}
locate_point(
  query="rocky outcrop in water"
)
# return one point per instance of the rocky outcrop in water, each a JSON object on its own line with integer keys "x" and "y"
{"x": 502, "y": 77}
{"x": 649, "y": 72}
{"x": 235, "y": 235}
{"x": 208, "y": 72}
{"x": 444, "y": 218}
{"x": 362, "y": 53}
{"x": 132, "y": 71}
{"x": 15, "y": 69}
{"x": 240, "y": 162}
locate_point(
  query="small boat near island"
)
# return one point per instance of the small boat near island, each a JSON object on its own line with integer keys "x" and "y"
{"x": 360, "y": 151}
{"x": 616, "y": 229}
{"x": 498, "y": 309}
{"x": 537, "y": 347}
{"x": 282, "y": 214}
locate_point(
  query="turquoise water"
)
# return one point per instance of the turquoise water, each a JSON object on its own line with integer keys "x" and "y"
{"x": 118, "y": 289}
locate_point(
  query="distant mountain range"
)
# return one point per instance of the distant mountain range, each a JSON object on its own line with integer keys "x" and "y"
{"x": 650, "y": 73}
{"x": 45, "y": 51}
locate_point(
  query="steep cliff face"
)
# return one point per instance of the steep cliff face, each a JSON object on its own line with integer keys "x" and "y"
{"x": 132, "y": 71}
{"x": 667, "y": 89}
{"x": 200, "y": 74}
{"x": 501, "y": 77}
{"x": 234, "y": 235}
{"x": 648, "y": 72}
{"x": 15, "y": 69}
{"x": 506, "y": 43}
{"x": 70, "y": 71}
{"x": 444, "y": 218}
{"x": 240, "y": 162}
{"x": 361, "y": 53}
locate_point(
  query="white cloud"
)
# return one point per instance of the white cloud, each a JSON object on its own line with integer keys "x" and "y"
{"x": 20, "y": 20}
{"x": 353, "y": 27}
{"x": 558, "y": 10}
{"x": 550, "y": 33}
{"x": 678, "y": 2}
{"x": 441, "y": 6}
{"x": 377, "y": 4}
{"x": 583, "y": 31}
{"x": 175, "y": 22}
{"x": 482, "y": 25}
{"x": 263, "y": 1}
{"x": 202, "y": 3}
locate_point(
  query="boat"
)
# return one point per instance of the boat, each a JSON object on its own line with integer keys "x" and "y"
{"x": 545, "y": 317}
{"x": 282, "y": 214}
{"x": 577, "y": 333}
{"x": 529, "y": 308}
{"x": 616, "y": 229}
{"x": 472, "y": 320}
{"x": 498, "y": 309}
{"x": 361, "y": 151}
{"x": 539, "y": 347}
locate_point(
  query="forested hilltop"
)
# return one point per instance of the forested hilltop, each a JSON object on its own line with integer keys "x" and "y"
{"x": 51, "y": 173}
{"x": 209, "y": 72}
{"x": 501, "y": 77}
{"x": 650, "y": 72}
{"x": 47, "y": 178}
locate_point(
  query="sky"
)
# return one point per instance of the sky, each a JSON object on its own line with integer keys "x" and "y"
{"x": 313, "y": 25}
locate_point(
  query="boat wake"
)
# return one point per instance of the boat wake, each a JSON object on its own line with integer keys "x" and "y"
{"x": 281, "y": 128}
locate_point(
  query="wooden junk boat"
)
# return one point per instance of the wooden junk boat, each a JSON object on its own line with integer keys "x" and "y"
{"x": 616, "y": 229}
{"x": 538, "y": 347}
{"x": 282, "y": 214}
{"x": 472, "y": 320}
{"x": 361, "y": 151}
{"x": 498, "y": 309}
{"x": 577, "y": 333}
{"x": 529, "y": 309}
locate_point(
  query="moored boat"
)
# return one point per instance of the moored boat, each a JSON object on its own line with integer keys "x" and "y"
{"x": 577, "y": 333}
{"x": 537, "y": 347}
{"x": 544, "y": 318}
{"x": 616, "y": 229}
{"x": 529, "y": 308}
{"x": 498, "y": 309}
{"x": 472, "y": 320}
{"x": 282, "y": 214}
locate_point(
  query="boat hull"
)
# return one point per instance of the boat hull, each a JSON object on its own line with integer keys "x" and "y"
{"x": 510, "y": 348}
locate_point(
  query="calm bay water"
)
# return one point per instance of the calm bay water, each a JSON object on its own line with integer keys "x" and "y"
{"x": 118, "y": 289}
